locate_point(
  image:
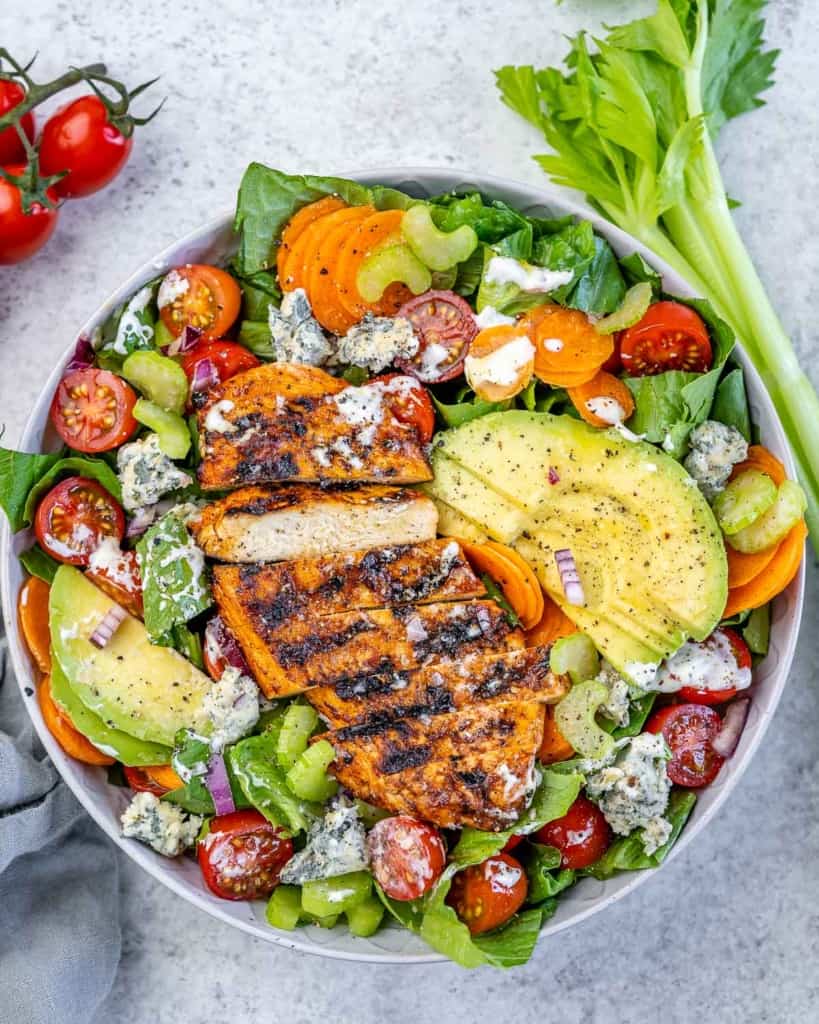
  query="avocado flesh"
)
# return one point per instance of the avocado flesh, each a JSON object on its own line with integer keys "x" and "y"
{"x": 114, "y": 742}
{"x": 452, "y": 524}
{"x": 647, "y": 546}
{"x": 146, "y": 691}
{"x": 491, "y": 512}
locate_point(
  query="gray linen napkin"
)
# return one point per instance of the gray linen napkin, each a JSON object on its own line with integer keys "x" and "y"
{"x": 59, "y": 902}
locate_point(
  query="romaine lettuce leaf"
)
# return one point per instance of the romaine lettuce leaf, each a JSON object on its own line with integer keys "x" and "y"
{"x": 546, "y": 878}
{"x": 19, "y": 472}
{"x": 36, "y": 562}
{"x": 72, "y": 465}
{"x": 254, "y": 764}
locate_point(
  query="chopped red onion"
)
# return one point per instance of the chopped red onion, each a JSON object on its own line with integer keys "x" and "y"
{"x": 554, "y": 476}
{"x": 726, "y": 740}
{"x": 218, "y": 785}
{"x": 146, "y": 516}
{"x": 221, "y": 645}
{"x": 184, "y": 342}
{"x": 82, "y": 356}
{"x": 108, "y": 625}
{"x": 570, "y": 578}
{"x": 205, "y": 375}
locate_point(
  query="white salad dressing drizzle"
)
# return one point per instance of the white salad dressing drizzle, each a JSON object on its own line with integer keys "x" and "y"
{"x": 506, "y": 270}
{"x": 490, "y": 317}
{"x": 173, "y": 287}
{"x": 130, "y": 324}
{"x": 501, "y": 366}
{"x": 215, "y": 419}
{"x": 710, "y": 665}
{"x": 610, "y": 411}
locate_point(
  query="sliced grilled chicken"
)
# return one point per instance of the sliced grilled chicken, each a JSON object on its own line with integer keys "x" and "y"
{"x": 285, "y": 422}
{"x": 391, "y": 694}
{"x": 471, "y": 767}
{"x": 288, "y": 656}
{"x": 435, "y": 570}
{"x": 269, "y": 524}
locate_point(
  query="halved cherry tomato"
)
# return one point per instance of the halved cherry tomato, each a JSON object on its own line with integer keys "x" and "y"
{"x": 670, "y": 336}
{"x": 688, "y": 730}
{"x": 121, "y": 581}
{"x": 210, "y": 302}
{"x": 407, "y": 856}
{"x": 12, "y": 150}
{"x": 242, "y": 856}
{"x": 488, "y": 894}
{"x": 409, "y": 402}
{"x": 80, "y": 138}
{"x": 141, "y": 782}
{"x": 73, "y": 518}
{"x": 92, "y": 410}
{"x": 228, "y": 357}
{"x": 742, "y": 653}
{"x": 445, "y": 326}
{"x": 512, "y": 842}
{"x": 582, "y": 835}
{"x": 23, "y": 234}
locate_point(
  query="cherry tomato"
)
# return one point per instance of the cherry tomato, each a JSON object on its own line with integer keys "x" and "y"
{"x": 141, "y": 782}
{"x": 407, "y": 856}
{"x": 670, "y": 336}
{"x": 23, "y": 234}
{"x": 221, "y": 649}
{"x": 80, "y": 139}
{"x": 12, "y": 150}
{"x": 582, "y": 835}
{"x": 200, "y": 296}
{"x": 487, "y": 895}
{"x": 742, "y": 653}
{"x": 409, "y": 402}
{"x": 445, "y": 325}
{"x": 121, "y": 581}
{"x": 228, "y": 358}
{"x": 242, "y": 856}
{"x": 73, "y": 518}
{"x": 512, "y": 842}
{"x": 614, "y": 363}
{"x": 92, "y": 410}
{"x": 688, "y": 730}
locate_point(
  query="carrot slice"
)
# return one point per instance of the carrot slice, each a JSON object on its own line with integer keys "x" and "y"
{"x": 32, "y": 608}
{"x": 763, "y": 460}
{"x": 300, "y": 220}
{"x": 567, "y": 380}
{"x": 484, "y": 344}
{"x": 743, "y": 568}
{"x": 514, "y": 577}
{"x": 772, "y": 581}
{"x": 164, "y": 775}
{"x": 63, "y": 731}
{"x": 554, "y": 746}
{"x": 565, "y": 341}
{"x": 375, "y": 231}
{"x": 297, "y": 266}
{"x": 553, "y": 624}
{"x": 602, "y": 385}
{"x": 322, "y": 280}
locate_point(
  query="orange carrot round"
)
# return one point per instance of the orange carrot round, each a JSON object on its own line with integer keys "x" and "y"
{"x": 512, "y": 574}
{"x": 378, "y": 229}
{"x": 63, "y": 731}
{"x": 763, "y": 460}
{"x": 602, "y": 385}
{"x": 164, "y": 776}
{"x": 297, "y": 266}
{"x": 554, "y": 746}
{"x": 553, "y": 624}
{"x": 566, "y": 342}
{"x": 772, "y": 580}
{"x": 484, "y": 344}
{"x": 300, "y": 220}
{"x": 32, "y": 609}
{"x": 322, "y": 282}
{"x": 742, "y": 568}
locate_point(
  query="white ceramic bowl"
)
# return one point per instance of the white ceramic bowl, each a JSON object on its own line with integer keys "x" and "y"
{"x": 213, "y": 243}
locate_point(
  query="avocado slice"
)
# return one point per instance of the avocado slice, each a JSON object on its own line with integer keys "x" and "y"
{"x": 147, "y": 691}
{"x": 647, "y": 546}
{"x": 110, "y": 741}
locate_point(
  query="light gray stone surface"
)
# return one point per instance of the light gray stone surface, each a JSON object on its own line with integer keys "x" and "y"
{"x": 729, "y": 932}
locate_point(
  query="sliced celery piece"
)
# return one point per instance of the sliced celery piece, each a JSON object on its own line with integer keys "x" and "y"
{"x": 574, "y": 717}
{"x": 170, "y": 428}
{"x": 160, "y": 379}
{"x": 284, "y": 907}
{"x": 326, "y": 896}
{"x": 298, "y": 723}
{"x": 744, "y": 500}
{"x": 308, "y": 777}
{"x": 633, "y": 308}
{"x": 365, "y": 918}
{"x": 390, "y": 264}
{"x": 771, "y": 527}
{"x": 577, "y": 655}
{"x": 437, "y": 249}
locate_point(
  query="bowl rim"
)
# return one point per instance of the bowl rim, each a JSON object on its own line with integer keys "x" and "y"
{"x": 545, "y": 194}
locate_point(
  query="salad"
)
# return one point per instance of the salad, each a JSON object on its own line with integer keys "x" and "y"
{"x": 409, "y": 568}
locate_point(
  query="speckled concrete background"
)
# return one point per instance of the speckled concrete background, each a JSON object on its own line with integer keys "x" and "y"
{"x": 727, "y": 933}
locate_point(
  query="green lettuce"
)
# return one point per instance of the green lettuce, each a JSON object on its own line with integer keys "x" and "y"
{"x": 19, "y": 472}
{"x": 254, "y": 763}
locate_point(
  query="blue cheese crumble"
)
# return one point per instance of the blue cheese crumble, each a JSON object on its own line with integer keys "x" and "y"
{"x": 146, "y": 473}
{"x": 296, "y": 334}
{"x": 617, "y": 704}
{"x": 335, "y": 845}
{"x": 232, "y": 707}
{"x": 714, "y": 451}
{"x": 164, "y": 827}
{"x": 377, "y": 342}
{"x": 631, "y": 787}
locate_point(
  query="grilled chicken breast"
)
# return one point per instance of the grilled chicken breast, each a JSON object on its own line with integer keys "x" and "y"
{"x": 267, "y": 524}
{"x": 470, "y": 767}
{"x": 435, "y": 570}
{"x": 387, "y": 695}
{"x": 288, "y": 656}
{"x": 283, "y": 422}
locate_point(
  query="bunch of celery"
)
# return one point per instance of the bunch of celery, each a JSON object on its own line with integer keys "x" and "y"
{"x": 632, "y": 124}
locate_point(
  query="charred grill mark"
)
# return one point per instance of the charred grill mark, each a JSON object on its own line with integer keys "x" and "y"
{"x": 274, "y": 611}
{"x": 379, "y": 572}
{"x": 291, "y": 654}
{"x": 366, "y": 730}
{"x": 398, "y": 759}
{"x": 384, "y": 679}
{"x": 248, "y": 574}
{"x": 282, "y": 467}
{"x": 474, "y": 779}
{"x": 446, "y": 637}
